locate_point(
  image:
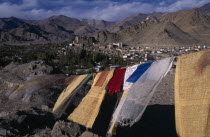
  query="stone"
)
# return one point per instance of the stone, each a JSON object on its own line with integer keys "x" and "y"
{"x": 3, "y": 132}
{"x": 3, "y": 114}
{"x": 45, "y": 108}
{"x": 65, "y": 129}
{"x": 88, "y": 134}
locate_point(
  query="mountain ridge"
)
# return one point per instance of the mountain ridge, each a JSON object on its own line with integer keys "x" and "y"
{"x": 205, "y": 8}
{"x": 185, "y": 27}
{"x": 131, "y": 21}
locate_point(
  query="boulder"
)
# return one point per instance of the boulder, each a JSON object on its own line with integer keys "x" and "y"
{"x": 88, "y": 134}
{"x": 15, "y": 73}
{"x": 65, "y": 129}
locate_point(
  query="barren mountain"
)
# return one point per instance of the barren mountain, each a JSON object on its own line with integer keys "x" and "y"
{"x": 99, "y": 24}
{"x": 55, "y": 28}
{"x": 106, "y": 37}
{"x": 154, "y": 33}
{"x": 17, "y": 30}
{"x": 193, "y": 22}
{"x": 131, "y": 21}
{"x": 7, "y": 36}
{"x": 183, "y": 28}
{"x": 205, "y": 8}
{"x": 30, "y": 32}
{"x": 10, "y": 23}
{"x": 65, "y": 26}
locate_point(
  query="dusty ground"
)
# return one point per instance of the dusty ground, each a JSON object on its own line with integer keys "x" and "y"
{"x": 164, "y": 94}
{"x": 35, "y": 119}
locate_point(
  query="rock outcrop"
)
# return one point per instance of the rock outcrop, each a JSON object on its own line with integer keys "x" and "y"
{"x": 15, "y": 73}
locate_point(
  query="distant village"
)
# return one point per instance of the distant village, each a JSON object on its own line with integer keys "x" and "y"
{"x": 129, "y": 52}
{"x": 58, "y": 55}
{"x": 132, "y": 55}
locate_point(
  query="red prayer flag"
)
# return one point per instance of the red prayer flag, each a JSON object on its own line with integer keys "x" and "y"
{"x": 115, "y": 84}
{"x": 102, "y": 78}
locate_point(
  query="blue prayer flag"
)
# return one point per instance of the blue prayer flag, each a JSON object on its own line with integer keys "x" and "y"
{"x": 139, "y": 72}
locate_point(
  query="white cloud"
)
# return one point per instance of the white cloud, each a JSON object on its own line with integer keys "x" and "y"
{"x": 105, "y": 10}
{"x": 117, "y": 11}
{"x": 162, "y": 3}
{"x": 96, "y": 9}
{"x": 29, "y": 4}
{"x": 8, "y": 9}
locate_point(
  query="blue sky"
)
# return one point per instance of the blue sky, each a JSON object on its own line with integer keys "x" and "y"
{"x": 110, "y": 10}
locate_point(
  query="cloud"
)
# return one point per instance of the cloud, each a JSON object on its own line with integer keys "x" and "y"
{"x": 110, "y": 10}
{"x": 116, "y": 11}
{"x": 8, "y": 9}
{"x": 162, "y": 3}
{"x": 95, "y": 9}
{"x": 182, "y": 4}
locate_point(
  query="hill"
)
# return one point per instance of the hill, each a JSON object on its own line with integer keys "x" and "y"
{"x": 53, "y": 29}
{"x": 183, "y": 28}
{"x": 205, "y": 8}
{"x": 99, "y": 24}
{"x": 131, "y": 21}
{"x": 65, "y": 26}
{"x": 193, "y": 22}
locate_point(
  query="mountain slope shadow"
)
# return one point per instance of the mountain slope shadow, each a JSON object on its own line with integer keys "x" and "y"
{"x": 157, "y": 121}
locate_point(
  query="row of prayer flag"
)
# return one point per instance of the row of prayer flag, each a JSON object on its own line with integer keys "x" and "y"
{"x": 137, "y": 84}
{"x": 116, "y": 80}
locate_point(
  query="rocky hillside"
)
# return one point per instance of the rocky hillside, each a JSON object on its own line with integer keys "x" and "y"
{"x": 131, "y": 21}
{"x": 99, "y": 24}
{"x": 194, "y": 22}
{"x": 65, "y": 25}
{"x": 35, "y": 119}
{"x": 55, "y": 28}
{"x": 184, "y": 28}
{"x": 106, "y": 37}
{"x": 206, "y": 8}
{"x": 6, "y": 36}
